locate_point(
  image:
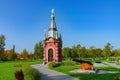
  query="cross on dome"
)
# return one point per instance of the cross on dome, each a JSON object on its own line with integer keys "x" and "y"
{"x": 52, "y": 11}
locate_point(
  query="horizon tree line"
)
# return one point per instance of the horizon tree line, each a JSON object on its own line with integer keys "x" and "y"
{"x": 76, "y": 51}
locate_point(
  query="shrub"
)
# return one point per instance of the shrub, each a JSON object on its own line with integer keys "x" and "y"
{"x": 97, "y": 61}
{"x": 17, "y": 65}
{"x": 69, "y": 63}
{"x": 19, "y": 75}
{"x": 53, "y": 64}
{"x": 117, "y": 78}
{"x": 31, "y": 73}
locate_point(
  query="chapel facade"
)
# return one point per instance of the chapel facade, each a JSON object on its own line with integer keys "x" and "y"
{"x": 52, "y": 43}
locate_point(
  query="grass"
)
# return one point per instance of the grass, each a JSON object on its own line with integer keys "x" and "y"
{"x": 108, "y": 68}
{"x": 30, "y": 73}
{"x": 7, "y": 69}
{"x": 95, "y": 76}
{"x": 66, "y": 69}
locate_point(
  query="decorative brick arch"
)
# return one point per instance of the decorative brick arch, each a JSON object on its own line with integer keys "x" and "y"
{"x": 53, "y": 53}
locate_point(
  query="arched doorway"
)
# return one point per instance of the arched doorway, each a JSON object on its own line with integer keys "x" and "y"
{"x": 50, "y": 55}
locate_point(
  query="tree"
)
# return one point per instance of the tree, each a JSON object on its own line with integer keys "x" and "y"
{"x": 66, "y": 53}
{"x": 38, "y": 50}
{"x": 12, "y": 56}
{"x": 83, "y": 52}
{"x": 116, "y": 53}
{"x": 90, "y": 52}
{"x": 2, "y": 44}
{"x": 107, "y": 50}
{"x": 98, "y": 53}
{"x": 25, "y": 53}
{"x": 75, "y": 51}
{"x": 30, "y": 55}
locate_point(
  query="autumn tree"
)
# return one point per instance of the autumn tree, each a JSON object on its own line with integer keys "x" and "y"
{"x": 12, "y": 56}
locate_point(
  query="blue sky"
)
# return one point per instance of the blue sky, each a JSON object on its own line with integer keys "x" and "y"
{"x": 85, "y": 22}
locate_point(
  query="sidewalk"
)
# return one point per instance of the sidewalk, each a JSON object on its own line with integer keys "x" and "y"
{"x": 113, "y": 64}
{"x": 47, "y": 74}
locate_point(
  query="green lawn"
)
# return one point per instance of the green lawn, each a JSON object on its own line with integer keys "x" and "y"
{"x": 7, "y": 69}
{"x": 108, "y": 68}
{"x": 66, "y": 69}
{"x": 95, "y": 76}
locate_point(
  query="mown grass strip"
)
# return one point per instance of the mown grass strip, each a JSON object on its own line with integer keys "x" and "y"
{"x": 7, "y": 69}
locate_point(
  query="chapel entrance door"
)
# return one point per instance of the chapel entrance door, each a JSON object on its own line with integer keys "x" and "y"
{"x": 50, "y": 55}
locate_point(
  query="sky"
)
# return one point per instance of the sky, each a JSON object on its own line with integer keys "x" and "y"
{"x": 85, "y": 22}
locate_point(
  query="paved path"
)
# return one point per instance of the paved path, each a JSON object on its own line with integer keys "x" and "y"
{"x": 47, "y": 74}
{"x": 113, "y": 64}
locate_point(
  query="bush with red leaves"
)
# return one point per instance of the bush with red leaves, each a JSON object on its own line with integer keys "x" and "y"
{"x": 19, "y": 75}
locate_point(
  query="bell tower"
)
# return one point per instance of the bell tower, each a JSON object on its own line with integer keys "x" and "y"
{"x": 52, "y": 43}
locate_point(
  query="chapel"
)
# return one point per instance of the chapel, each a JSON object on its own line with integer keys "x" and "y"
{"x": 52, "y": 43}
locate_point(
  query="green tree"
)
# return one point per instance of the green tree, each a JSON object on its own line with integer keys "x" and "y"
{"x": 38, "y": 50}
{"x": 66, "y": 53}
{"x": 83, "y": 52}
{"x": 78, "y": 50}
{"x": 116, "y": 53}
{"x": 91, "y": 52}
{"x": 2, "y": 44}
{"x": 24, "y": 53}
{"x": 30, "y": 55}
{"x": 107, "y": 50}
{"x": 74, "y": 52}
{"x": 98, "y": 53}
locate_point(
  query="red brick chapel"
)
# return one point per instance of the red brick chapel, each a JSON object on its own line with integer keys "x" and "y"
{"x": 52, "y": 43}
